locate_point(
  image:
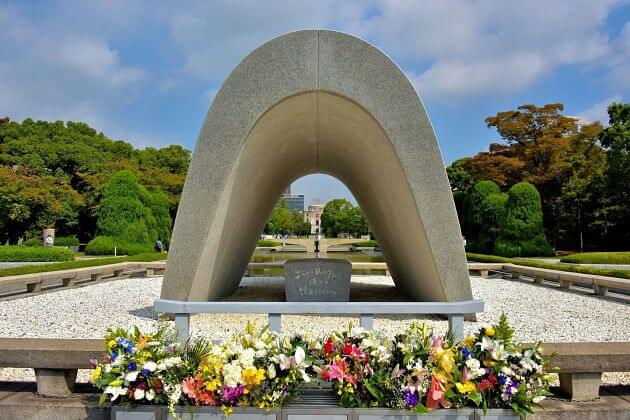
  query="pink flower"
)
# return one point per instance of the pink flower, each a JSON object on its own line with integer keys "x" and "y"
{"x": 466, "y": 375}
{"x": 188, "y": 386}
{"x": 338, "y": 370}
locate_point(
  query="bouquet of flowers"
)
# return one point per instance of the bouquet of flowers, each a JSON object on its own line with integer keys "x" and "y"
{"x": 417, "y": 370}
{"x": 355, "y": 361}
{"x": 257, "y": 368}
{"x": 139, "y": 368}
{"x": 495, "y": 372}
{"x": 423, "y": 363}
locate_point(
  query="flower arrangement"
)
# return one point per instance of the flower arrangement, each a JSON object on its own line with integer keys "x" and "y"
{"x": 257, "y": 368}
{"x": 416, "y": 370}
{"x": 139, "y": 368}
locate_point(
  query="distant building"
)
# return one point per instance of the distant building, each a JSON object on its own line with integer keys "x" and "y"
{"x": 295, "y": 201}
{"x": 579, "y": 123}
{"x": 314, "y": 215}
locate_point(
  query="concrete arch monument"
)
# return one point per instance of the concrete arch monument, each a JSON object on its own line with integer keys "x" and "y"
{"x": 316, "y": 101}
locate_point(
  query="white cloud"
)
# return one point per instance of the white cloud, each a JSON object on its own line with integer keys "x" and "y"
{"x": 599, "y": 111}
{"x": 51, "y": 73}
{"x": 457, "y": 80}
{"x": 487, "y": 47}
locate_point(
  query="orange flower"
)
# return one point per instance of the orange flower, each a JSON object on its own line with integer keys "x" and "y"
{"x": 435, "y": 396}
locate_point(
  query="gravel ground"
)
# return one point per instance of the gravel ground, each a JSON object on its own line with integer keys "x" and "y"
{"x": 537, "y": 312}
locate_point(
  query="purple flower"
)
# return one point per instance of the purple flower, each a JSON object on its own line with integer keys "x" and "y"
{"x": 411, "y": 398}
{"x": 145, "y": 372}
{"x": 132, "y": 366}
{"x": 465, "y": 352}
{"x": 114, "y": 355}
{"x": 93, "y": 362}
{"x": 232, "y": 394}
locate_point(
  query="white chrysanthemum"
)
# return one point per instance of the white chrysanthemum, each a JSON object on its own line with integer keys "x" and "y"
{"x": 151, "y": 366}
{"x": 232, "y": 374}
{"x": 246, "y": 358}
{"x": 138, "y": 394}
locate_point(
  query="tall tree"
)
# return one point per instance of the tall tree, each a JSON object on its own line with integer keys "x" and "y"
{"x": 614, "y": 210}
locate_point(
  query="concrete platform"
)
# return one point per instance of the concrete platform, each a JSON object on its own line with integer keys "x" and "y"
{"x": 18, "y": 400}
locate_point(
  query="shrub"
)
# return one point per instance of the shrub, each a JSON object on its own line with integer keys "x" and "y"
{"x": 472, "y": 208}
{"x": 105, "y": 245}
{"x": 490, "y": 214}
{"x": 159, "y": 206}
{"x": 33, "y": 242}
{"x": 598, "y": 258}
{"x": 66, "y": 241}
{"x": 521, "y": 232}
{"x": 19, "y": 253}
{"x": 123, "y": 214}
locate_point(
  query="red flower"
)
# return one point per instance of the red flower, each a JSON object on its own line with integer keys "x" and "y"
{"x": 157, "y": 385}
{"x": 347, "y": 350}
{"x": 328, "y": 347}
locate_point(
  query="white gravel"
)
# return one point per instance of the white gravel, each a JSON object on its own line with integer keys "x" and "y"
{"x": 536, "y": 312}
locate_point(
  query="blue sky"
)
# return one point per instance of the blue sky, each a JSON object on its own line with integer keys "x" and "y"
{"x": 146, "y": 71}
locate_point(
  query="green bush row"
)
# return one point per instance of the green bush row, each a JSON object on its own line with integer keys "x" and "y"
{"x": 33, "y": 242}
{"x": 59, "y": 241}
{"x": 598, "y": 258}
{"x": 266, "y": 243}
{"x": 19, "y": 253}
{"x": 70, "y": 265}
{"x": 104, "y": 245}
{"x": 541, "y": 264}
{"x": 66, "y": 241}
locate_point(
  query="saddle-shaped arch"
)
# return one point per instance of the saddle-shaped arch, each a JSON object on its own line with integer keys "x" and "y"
{"x": 316, "y": 102}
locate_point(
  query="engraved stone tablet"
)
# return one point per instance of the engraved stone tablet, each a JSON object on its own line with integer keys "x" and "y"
{"x": 317, "y": 280}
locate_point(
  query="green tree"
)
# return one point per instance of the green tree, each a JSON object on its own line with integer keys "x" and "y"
{"x": 159, "y": 206}
{"x": 281, "y": 220}
{"x": 459, "y": 177}
{"x": 30, "y": 202}
{"x": 125, "y": 211}
{"x": 490, "y": 213}
{"x": 521, "y": 231}
{"x": 472, "y": 205}
{"x": 76, "y": 154}
{"x": 341, "y": 216}
{"x": 614, "y": 210}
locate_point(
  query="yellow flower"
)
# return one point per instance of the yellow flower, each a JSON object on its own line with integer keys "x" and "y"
{"x": 96, "y": 374}
{"x": 490, "y": 332}
{"x": 447, "y": 361}
{"x": 469, "y": 341}
{"x": 252, "y": 377}
{"x": 142, "y": 342}
{"x": 212, "y": 385}
{"x": 111, "y": 344}
{"x": 465, "y": 388}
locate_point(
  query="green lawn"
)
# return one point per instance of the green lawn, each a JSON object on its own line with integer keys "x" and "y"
{"x": 364, "y": 244}
{"x": 69, "y": 265}
{"x": 534, "y": 263}
{"x": 598, "y": 258}
{"x": 266, "y": 243}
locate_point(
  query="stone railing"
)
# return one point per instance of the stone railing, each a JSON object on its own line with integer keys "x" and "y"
{"x": 52, "y": 280}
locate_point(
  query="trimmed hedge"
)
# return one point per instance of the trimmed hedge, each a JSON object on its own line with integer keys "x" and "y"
{"x": 624, "y": 274}
{"x": 598, "y": 258}
{"x": 104, "y": 245}
{"x": 66, "y": 241}
{"x": 70, "y": 265}
{"x": 33, "y": 242}
{"x": 19, "y": 253}
{"x": 266, "y": 243}
{"x": 520, "y": 231}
